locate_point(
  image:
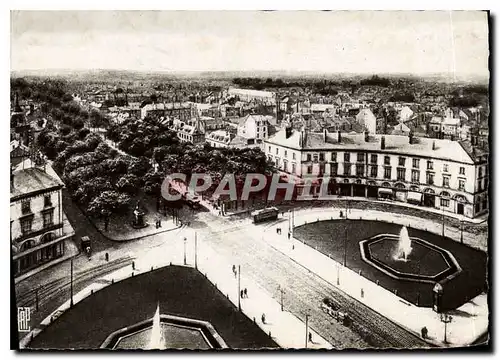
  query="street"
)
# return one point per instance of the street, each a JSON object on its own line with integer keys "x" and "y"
{"x": 240, "y": 242}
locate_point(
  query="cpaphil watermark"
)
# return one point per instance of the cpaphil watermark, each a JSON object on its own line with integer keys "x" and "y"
{"x": 310, "y": 188}
{"x": 23, "y": 319}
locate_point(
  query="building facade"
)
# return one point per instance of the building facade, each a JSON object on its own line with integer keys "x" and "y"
{"x": 181, "y": 111}
{"x": 38, "y": 226}
{"x": 434, "y": 173}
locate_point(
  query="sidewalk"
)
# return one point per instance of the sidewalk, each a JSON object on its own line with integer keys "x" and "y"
{"x": 287, "y": 330}
{"x": 470, "y": 321}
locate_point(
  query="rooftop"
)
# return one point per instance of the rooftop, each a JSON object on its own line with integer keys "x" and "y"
{"x": 444, "y": 149}
{"x": 31, "y": 181}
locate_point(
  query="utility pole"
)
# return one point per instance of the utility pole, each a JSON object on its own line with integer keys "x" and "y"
{"x": 461, "y": 231}
{"x": 239, "y": 287}
{"x": 307, "y": 328}
{"x": 443, "y": 220}
{"x": 185, "y": 242}
{"x": 71, "y": 285}
{"x": 36, "y": 299}
{"x": 195, "y": 250}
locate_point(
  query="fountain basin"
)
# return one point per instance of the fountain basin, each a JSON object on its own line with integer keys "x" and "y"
{"x": 178, "y": 333}
{"x": 426, "y": 263}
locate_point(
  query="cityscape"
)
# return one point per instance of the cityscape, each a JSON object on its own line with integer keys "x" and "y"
{"x": 216, "y": 180}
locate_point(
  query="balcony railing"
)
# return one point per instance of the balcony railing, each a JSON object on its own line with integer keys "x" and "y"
{"x": 30, "y": 234}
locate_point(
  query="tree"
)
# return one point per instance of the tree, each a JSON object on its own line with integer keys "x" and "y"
{"x": 129, "y": 184}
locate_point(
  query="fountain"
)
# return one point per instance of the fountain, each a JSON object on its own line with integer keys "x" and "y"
{"x": 156, "y": 342}
{"x": 404, "y": 245}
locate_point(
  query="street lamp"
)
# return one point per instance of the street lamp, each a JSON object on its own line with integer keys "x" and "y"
{"x": 461, "y": 231}
{"x": 185, "y": 241}
{"x": 446, "y": 319}
{"x": 442, "y": 206}
{"x": 71, "y": 285}
{"x": 239, "y": 287}
{"x": 196, "y": 250}
{"x": 307, "y": 327}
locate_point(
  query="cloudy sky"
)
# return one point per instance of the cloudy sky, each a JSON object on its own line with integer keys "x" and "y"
{"x": 361, "y": 42}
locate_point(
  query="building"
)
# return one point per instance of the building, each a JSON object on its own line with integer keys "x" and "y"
{"x": 366, "y": 118}
{"x": 253, "y": 128}
{"x": 405, "y": 114}
{"x": 191, "y": 132}
{"x": 248, "y": 95}
{"x": 181, "y": 111}
{"x": 39, "y": 229}
{"x": 435, "y": 173}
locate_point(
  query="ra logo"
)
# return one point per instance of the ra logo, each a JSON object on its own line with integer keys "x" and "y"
{"x": 23, "y": 319}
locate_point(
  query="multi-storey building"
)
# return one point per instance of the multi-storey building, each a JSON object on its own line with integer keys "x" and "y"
{"x": 437, "y": 173}
{"x": 181, "y": 111}
{"x": 253, "y": 128}
{"x": 38, "y": 226}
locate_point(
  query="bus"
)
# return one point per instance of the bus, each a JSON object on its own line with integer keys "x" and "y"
{"x": 265, "y": 215}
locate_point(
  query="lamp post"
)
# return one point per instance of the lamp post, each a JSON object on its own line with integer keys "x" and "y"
{"x": 71, "y": 285}
{"x": 196, "y": 250}
{"x": 185, "y": 241}
{"x": 345, "y": 237}
{"x": 446, "y": 319}
{"x": 442, "y": 206}
{"x": 461, "y": 231}
{"x": 36, "y": 299}
{"x": 307, "y": 327}
{"x": 239, "y": 287}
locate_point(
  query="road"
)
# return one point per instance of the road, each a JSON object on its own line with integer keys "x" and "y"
{"x": 241, "y": 242}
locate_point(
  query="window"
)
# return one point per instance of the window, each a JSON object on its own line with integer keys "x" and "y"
{"x": 334, "y": 156}
{"x": 445, "y": 202}
{"x": 430, "y": 165}
{"x": 360, "y": 170}
{"x": 269, "y": 149}
{"x": 47, "y": 201}
{"x": 480, "y": 172}
{"x": 374, "y": 159}
{"x": 277, "y": 162}
{"x": 347, "y": 157}
{"x": 294, "y": 166}
{"x": 415, "y": 176}
{"x": 387, "y": 172}
{"x": 334, "y": 168}
{"x": 387, "y": 160}
{"x": 285, "y": 165}
{"x": 374, "y": 171}
{"x": 25, "y": 206}
{"x": 402, "y": 161}
{"x": 277, "y": 151}
{"x": 446, "y": 181}
{"x": 461, "y": 185}
{"x": 430, "y": 178}
{"x": 308, "y": 157}
{"x": 26, "y": 225}
{"x": 445, "y": 167}
{"x": 462, "y": 170}
{"x": 285, "y": 153}
{"x": 321, "y": 169}
{"x": 321, "y": 156}
{"x": 270, "y": 158}
{"x": 293, "y": 156}
{"x": 315, "y": 158}
{"x": 347, "y": 170}
{"x": 309, "y": 169}
{"x": 48, "y": 218}
{"x": 361, "y": 157}
{"x": 401, "y": 174}
{"x": 485, "y": 203}
{"x": 416, "y": 163}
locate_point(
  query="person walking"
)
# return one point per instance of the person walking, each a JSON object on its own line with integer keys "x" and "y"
{"x": 263, "y": 318}
{"x": 245, "y": 293}
{"x": 289, "y": 235}
{"x": 107, "y": 256}
{"x": 241, "y": 294}
{"x": 310, "y": 337}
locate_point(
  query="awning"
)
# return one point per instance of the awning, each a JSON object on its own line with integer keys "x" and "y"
{"x": 414, "y": 196}
{"x": 385, "y": 191}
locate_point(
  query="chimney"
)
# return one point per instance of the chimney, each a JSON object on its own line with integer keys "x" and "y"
{"x": 382, "y": 143}
{"x": 304, "y": 137}
{"x": 367, "y": 137}
{"x": 410, "y": 137}
{"x": 288, "y": 131}
{"x": 433, "y": 145}
{"x": 325, "y": 132}
{"x": 339, "y": 136}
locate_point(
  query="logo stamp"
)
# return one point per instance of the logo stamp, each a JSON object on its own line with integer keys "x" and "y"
{"x": 23, "y": 319}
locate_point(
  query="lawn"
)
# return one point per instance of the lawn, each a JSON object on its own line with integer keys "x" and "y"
{"x": 328, "y": 237}
{"x": 179, "y": 291}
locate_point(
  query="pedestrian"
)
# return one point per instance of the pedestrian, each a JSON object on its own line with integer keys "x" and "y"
{"x": 133, "y": 265}
{"x": 341, "y": 214}
{"x": 159, "y": 223}
{"x": 107, "y": 257}
{"x": 263, "y": 318}
{"x": 234, "y": 270}
{"x": 310, "y": 337}
{"x": 289, "y": 234}
{"x": 245, "y": 293}
{"x": 241, "y": 294}
{"x": 156, "y": 224}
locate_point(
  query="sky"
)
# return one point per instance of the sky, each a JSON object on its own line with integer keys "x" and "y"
{"x": 414, "y": 42}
